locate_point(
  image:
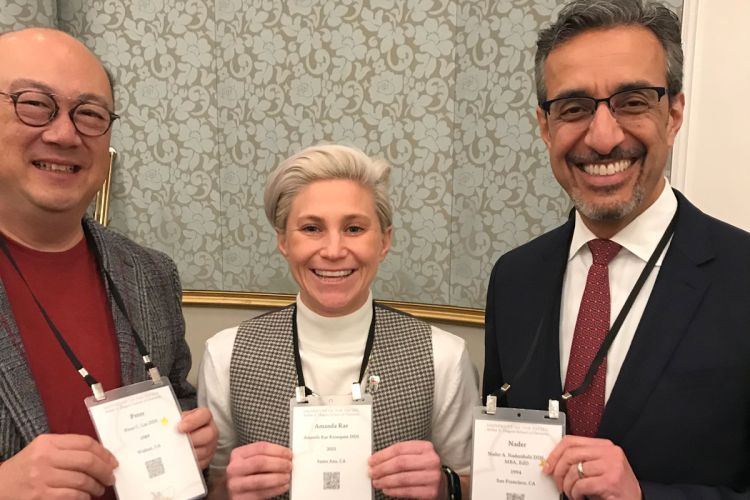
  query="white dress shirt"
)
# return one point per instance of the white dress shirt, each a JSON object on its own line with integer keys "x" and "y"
{"x": 638, "y": 240}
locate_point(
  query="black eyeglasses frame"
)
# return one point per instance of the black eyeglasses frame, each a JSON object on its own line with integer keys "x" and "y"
{"x": 546, "y": 105}
{"x": 14, "y": 96}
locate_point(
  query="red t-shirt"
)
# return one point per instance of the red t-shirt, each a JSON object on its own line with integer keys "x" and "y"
{"x": 71, "y": 289}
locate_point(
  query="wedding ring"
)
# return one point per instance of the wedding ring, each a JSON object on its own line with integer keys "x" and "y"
{"x": 579, "y": 468}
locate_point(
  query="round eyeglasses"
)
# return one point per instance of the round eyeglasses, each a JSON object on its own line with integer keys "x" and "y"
{"x": 37, "y": 109}
{"x": 627, "y": 105}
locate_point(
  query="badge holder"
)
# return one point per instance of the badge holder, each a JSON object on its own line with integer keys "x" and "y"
{"x": 138, "y": 424}
{"x": 331, "y": 441}
{"x": 509, "y": 448}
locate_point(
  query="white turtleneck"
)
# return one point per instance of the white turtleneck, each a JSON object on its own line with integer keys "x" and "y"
{"x": 336, "y": 343}
{"x": 331, "y": 351}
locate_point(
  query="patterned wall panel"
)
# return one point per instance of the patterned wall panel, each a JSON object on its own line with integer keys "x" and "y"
{"x": 377, "y": 75}
{"x": 17, "y": 14}
{"x": 215, "y": 93}
{"x": 504, "y": 192}
{"x": 165, "y": 190}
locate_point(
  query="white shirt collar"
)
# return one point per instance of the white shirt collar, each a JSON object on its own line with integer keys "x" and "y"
{"x": 642, "y": 235}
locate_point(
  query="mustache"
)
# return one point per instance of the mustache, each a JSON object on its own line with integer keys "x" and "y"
{"x": 616, "y": 154}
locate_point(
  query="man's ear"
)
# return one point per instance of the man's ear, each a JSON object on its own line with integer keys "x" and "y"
{"x": 676, "y": 115}
{"x": 541, "y": 118}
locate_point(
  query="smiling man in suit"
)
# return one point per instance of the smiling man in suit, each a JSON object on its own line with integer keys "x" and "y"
{"x": 664, "y": 410}
{"x": 59, "y": 270}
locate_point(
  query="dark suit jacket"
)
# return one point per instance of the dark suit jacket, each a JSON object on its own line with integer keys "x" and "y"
{"x": 680, "y": 407}
{"x": 150, "y": 288}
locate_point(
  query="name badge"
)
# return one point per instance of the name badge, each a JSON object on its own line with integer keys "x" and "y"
{"x": 331, "y": 440}
{"x": 138, "y": 424}
{"x": 509, "y": 450}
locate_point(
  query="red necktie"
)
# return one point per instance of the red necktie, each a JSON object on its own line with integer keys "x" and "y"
{"x": 585, "y": 410}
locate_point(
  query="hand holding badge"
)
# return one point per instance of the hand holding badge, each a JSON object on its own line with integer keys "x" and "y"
{"x": 509, "y": 450}
{"x": 331, "y": 439}
{"x": 138, "y": 424}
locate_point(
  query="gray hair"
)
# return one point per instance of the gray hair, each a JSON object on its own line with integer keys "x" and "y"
{"x": 326, "y": 162}
{"x": 583, "y": 15}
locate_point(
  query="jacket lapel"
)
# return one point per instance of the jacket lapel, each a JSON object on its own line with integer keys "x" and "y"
{"x": 534, "y": 364}
{"x": 554, "y": 264}
{"x": 18, "y": 391}
{"x": 679, "y": 288}
{"x": 122, "y": 270}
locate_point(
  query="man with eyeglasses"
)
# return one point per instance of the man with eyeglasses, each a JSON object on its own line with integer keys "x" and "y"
{"x": 635, "y": 313}
{"x": 67, "y": 281}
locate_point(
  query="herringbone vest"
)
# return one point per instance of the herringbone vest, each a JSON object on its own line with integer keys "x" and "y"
{"x": 263, "y": 378}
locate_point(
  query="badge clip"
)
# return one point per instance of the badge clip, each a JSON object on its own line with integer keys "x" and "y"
{"x": 356, "y": 392}
{"x": 153, "y": 371}
{"x": 553, "y": 409}
{"x": 155, "y": 375}
{"x": 491, "y": 407}
{"x": 96, "y": 387}
{"x": 300, "y": 394}
{"x": 98, "y": 391}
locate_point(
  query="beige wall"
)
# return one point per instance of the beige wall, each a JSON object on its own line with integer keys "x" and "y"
{"x": 710, "y": 161}
{"x": 202, "y": 322}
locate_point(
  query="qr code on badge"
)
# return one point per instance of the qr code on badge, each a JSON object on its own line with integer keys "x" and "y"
{"x": 515, "y": 496}
{"x": 154, "y": 467}
{"x": 331, "y": 480}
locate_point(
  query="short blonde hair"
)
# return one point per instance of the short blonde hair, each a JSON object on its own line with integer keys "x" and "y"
{"x": 326, "y": 162}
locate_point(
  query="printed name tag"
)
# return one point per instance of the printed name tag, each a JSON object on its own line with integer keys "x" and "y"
{"x": 138, "y": 424}
{"x": 509, "y": 449}
{"x": 331, "y": 440}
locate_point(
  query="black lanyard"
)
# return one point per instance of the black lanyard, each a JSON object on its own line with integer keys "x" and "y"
{"x": 612, "y": 333}
{"x": 298, "y": 359}
{"x": 93, "y": 383}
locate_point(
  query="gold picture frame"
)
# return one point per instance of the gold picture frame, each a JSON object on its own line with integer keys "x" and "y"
{"x": 430, "y": 312}
{"x": 101, "y": 202}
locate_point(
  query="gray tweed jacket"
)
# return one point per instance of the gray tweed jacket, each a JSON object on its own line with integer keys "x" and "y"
{"x": 150, "y": 288}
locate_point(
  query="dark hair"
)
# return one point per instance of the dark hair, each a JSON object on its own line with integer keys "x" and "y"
{"x": 583, "y": 15}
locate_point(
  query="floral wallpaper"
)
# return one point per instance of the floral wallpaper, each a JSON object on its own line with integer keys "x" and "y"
{"x": 17, "y": 14}
{"x": 213, "y": 94}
